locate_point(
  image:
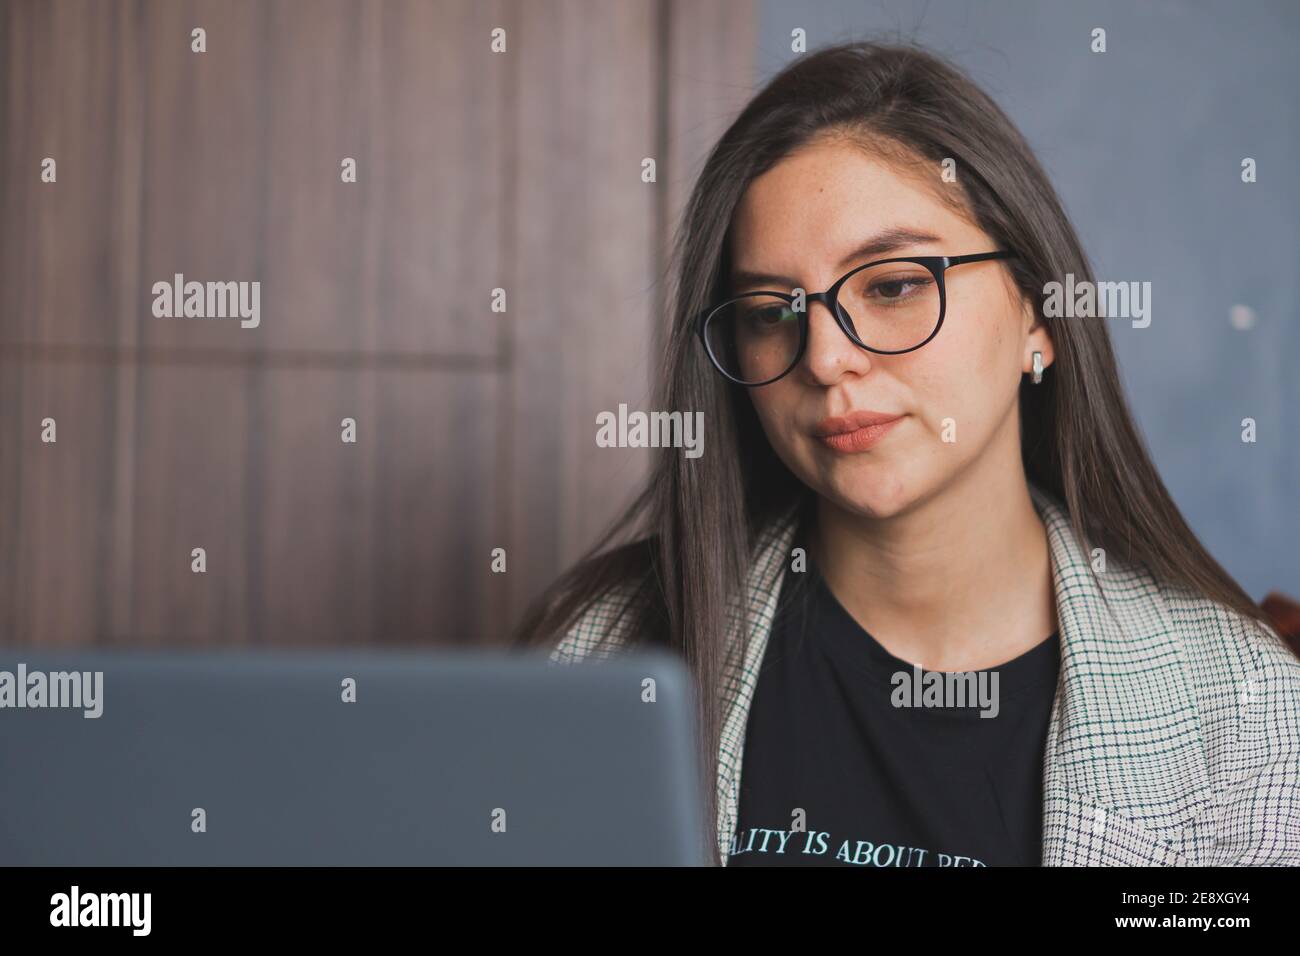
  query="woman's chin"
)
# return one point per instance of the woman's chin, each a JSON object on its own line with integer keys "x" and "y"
{"x": 878, "y": 495}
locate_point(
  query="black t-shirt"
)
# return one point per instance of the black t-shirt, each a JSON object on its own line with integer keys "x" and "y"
{"x": 878, "y": 783}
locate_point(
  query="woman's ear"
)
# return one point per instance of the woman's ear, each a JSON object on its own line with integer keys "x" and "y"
{"x": 1037, "y": 339}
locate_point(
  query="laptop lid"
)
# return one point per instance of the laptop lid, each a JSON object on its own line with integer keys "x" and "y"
{"x": 239, "y": 758}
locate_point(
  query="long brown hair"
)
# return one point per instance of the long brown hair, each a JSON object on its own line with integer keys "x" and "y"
{"x": 689, "y": 533}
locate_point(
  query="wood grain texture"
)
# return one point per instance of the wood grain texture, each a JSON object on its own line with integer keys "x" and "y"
{"x": 68, "y": 78}
{"x": 192, "y": 490}
{"x": 57, "y": 531}
{"x": 476, "y": 430}
{"x": 582, "y": 313}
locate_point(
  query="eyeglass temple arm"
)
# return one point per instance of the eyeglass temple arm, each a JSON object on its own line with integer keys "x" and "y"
{"x": 981, "y": 257}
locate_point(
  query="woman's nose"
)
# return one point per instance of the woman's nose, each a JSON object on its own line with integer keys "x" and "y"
{"x": 830, "y": 353}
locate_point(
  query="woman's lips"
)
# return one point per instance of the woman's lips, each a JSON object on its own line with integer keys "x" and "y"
{"x": 847, "y": 435}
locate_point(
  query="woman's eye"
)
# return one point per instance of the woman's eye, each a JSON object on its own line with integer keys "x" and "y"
{"x": 897, "y": 288}
{"x": 770, "y": 316}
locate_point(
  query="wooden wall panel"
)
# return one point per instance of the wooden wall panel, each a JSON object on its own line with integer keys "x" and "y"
{"x": 476, "y": 430}
{"x": 192, "y": 490}
{"x": 436, "y": 519}
{"x": 584, "y": 299}
{"x": 57, "y": 535}
{"x": 439, "y": 169}
{"x": 69, "y": 72}
{"x": 71, "y": 89}
{"x": 205, "y": 155}
{"x": 12, "y": 465}
{"x": 402, "y": 261}
{"x": 384, "y": 541}
{"x": 316, "y": 548}
{"x": 321, "y": 233}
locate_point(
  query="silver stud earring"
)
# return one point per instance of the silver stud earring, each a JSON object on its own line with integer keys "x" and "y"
{"x": 1038, "y": 367}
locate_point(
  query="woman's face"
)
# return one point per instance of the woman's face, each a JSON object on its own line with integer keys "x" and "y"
{"x": 956, "y": 397}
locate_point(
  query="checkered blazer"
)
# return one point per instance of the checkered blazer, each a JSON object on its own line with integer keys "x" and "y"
{"x": 1174, "y": 736}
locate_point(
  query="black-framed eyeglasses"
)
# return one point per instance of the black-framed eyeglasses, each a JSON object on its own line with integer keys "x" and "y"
{"x": 889, "y": 306}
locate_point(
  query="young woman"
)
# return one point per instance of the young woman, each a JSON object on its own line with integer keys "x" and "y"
{"x": 912, "y": 475}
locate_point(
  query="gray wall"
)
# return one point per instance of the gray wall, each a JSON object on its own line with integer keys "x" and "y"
{"x": 1144, "y": 144}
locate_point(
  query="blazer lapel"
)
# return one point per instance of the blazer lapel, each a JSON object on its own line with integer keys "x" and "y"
{"x": 740, "y": 672}
{"x": 1124, "y": 770}
{"x": 1124, "y": 773}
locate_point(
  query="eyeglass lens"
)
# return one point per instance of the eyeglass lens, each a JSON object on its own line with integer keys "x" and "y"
{"x": 890, "y": 307}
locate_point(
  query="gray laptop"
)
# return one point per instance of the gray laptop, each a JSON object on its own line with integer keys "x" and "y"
{"x": 381, "y": 759}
